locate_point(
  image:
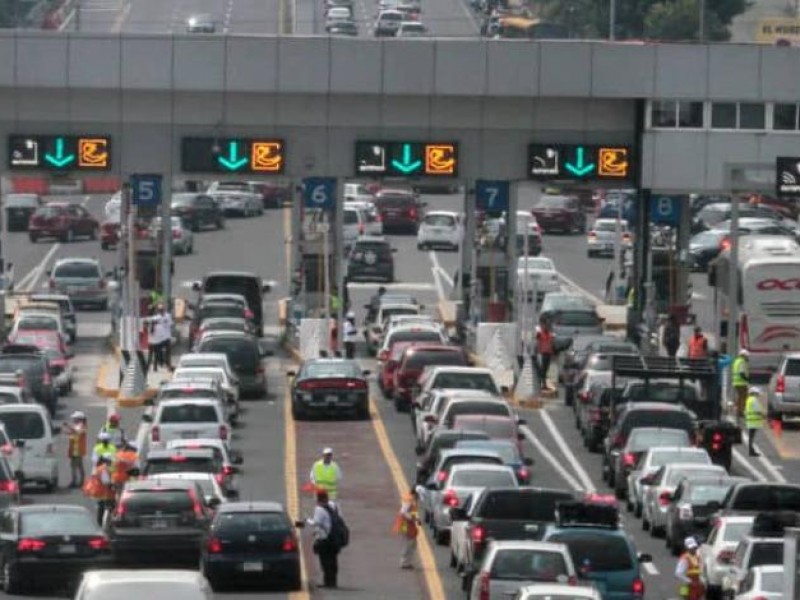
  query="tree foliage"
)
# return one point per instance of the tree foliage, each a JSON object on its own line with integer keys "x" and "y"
{"x": 644, "y": 19}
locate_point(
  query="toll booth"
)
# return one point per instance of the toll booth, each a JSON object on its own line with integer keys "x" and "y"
{"x": 317, "y": 255}
{"x": 148, "y": 271}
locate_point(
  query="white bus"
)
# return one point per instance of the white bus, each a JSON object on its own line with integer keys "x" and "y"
{"x": 768, "y": 299}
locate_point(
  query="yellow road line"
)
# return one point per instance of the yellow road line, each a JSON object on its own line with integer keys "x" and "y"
{"x": 292, "y": 497}
{"x": 432, "y": 579}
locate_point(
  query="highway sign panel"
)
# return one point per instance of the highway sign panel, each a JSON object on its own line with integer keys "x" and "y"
{"x": 406, "y": 159}
{"x": 492, "y": 195}
{"x": 319, "y": 192}
{"x": 579, "y": 162}
{"x": 146, "y": 189}
{"x": 665, "y": 210}
{"x": 264, "y": 156}
{"x": 787, "y": 176}
{"x": 59, "y": 152}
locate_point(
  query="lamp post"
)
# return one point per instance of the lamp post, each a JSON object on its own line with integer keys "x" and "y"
{"x": 612, "y": 19}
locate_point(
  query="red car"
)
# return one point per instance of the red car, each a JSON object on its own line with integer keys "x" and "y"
{"x": 559, "y": 213}
{"x": 388, "y": 367}
{"x": 399, "y": 210}
{"x": 413, "y": 362}
{"x": 109, "y": 233}
{"x": 62, "y": 221}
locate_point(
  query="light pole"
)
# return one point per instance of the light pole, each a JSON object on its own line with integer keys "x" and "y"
{"x": 612, "y": 19}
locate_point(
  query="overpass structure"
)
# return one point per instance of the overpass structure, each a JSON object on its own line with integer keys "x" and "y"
{"x": 684, "y": 110}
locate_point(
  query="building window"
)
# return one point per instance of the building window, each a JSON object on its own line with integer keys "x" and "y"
{"x": 690, "y": 114}
{"x": 663, "y": 114}
{"x": 785, "y": 117}
{"x": 751, "y": 116}
{"x": 723, "y": 115}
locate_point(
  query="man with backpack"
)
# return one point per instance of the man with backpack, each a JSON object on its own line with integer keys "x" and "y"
{"x": 330, "y": 536}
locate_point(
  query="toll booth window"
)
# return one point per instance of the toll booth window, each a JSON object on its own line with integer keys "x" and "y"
{"x": 784, "y": 117}
{"x": 663, "y": 113}
{"x": 752, "y": 115}
{"x": 723, "y": 115}
{"x": 690, "y": 115}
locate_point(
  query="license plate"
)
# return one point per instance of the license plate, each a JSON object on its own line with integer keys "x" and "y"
{"x": 67, "y": 549}
{"x": 158, "y": 524}
{"x": 187, "y": 435}
{"x": 252, "y": 567}
{"x": 331, "y": 399}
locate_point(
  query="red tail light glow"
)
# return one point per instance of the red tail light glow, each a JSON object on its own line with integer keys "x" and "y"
{"x": 450, "y": 499}
{"x": 619, "y": 440}
{"x": 629, "y": 459}
{"x": 213, "y": 546}
{"x": 227, "y": 470}
{"x": 595, "y": 415}
{"x": 223, "y": 432}
{"x": 248, "y": 314}
{"x": 523, "y": 474}
{"x": 31, "y": 545}
{"x": 197, "y": 507}
{"x": 725, "y": 557}
{"x": 717, "y": 440}
{"x": 155, "y": 433}
{"x": 289, "y": 544}
{"x": 441, "y": 476}
{"x": 178, "y": 458}
{"x": 780, "y": 384}
{"x": 592, "y": 234}
{"x": 176, "y": 234}
{"x": 338, "y": 384}
{"x": 477, "y": 535}
{"x": 9, "y": 487}
{"x": 664, "y": 498}
{"x": 638, "y": 586}
{"x": 484, "y": 587}
{"x": 98, "y": 543}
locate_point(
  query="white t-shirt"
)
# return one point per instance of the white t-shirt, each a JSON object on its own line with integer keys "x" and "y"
{"x": 161, "y": 330}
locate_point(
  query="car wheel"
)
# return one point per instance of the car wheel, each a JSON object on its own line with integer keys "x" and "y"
{"x": 611, "y": 478}
{"x": 296, "y": 581}
{"x": 442, "y": 537}
{"x": 11, "y": 584}
{"x": 221, "y": 224}
{"x": 33, "y": 237}
{"x": 104, "y": 246}
{"x": 93, "y": 234}
{"x": 69, "y": 237}
{"x": 619, "y": 492}
{"x": 52, "y": 485}
{"x": 656, "y": 532}
{"x": 628, "y": 505}
{"x": 297, "y": 413}
{"x": 363, "y": 412}
{"x": 453, "y": 561}
{"x": 645, "y": 523}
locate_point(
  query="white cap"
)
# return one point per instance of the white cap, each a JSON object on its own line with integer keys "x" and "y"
{"x": 104, "y": 436}
{"x": 744, "y": 352}
{"x": 327, "y": 450}
{"x": 351, "y": 315}
{"x": 754, "y": 389}
{"x": 690, "y": 543}
{"x": 77, "y": 415}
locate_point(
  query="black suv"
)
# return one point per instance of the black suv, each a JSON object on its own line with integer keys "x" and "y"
{"x": 245, "y": 284}
{"x": 197, "y": 211}
{"x": 159, "y": 521}
{"x": 371, "y": 259}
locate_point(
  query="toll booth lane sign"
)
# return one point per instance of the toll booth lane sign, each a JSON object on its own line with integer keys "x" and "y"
{"x": 579, "y": 162}
{"x": 59, "y": 152}
{"x": 406, "y": 159}
{"x": 787, "y": 174}
{"x": 233, "y": 155}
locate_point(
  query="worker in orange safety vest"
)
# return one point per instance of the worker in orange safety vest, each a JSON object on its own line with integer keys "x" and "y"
{"x": 688, "y": 572}
{"x": 406, "y": 524}
{"x": 125, "y": 461}
{"x": 698, "y": 344}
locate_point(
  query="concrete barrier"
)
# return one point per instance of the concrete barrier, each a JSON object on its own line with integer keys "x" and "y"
{"x": 496, "y": 345}
{"x": 314, "y": 335}
{"x": 615, "y": 316}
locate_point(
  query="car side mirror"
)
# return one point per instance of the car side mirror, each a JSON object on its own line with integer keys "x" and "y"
{"x": 19, "y": 443}
{"x": 291, "y": 373}
{"x": 505, "y": 389}
{"x": 528, "y": 462}
{"x": 458, "y": 514}
{"x": 196, "y": 286}
{"x": 147, "y": 418}
{"x": 213, "y": 502}
{"x": 237, "y": 458}
{"x": 645, "y": 558}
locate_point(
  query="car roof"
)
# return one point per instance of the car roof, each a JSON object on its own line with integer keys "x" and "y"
{"x": 181, "y": 401}
{"x": 446, "y": 213}
{"x": 528, "y": 545}
{"x": 450, "y": 452}
{"x": 636, "y": 406}
{"x": 204, "y": 355}
{"x": 136, "y": 575}
{"x": 679, "y": 466}
{"x": 330, "y": 361}
{"x": 680, "y": 449}
{"x": 41, "y": 508}
{"x": 151, "y": 484}
{"x": 645, "y": 430}
{"x": 195, "y": 383}
{"x": 77, "y": 259}
{"x": 246, "y": 507}
{"x": 187, "y": 452}
{"x": 37, "y": 408}
{"x": 457, "y": 369}
{"x": 247, "y": 274}
{"x": 480, "y": 467}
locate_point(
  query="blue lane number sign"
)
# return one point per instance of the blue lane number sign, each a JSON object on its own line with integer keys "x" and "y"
{"x": 319, "y": 192}
{"x": 146, "y": 190}
{"x": 665, "y": 210}
{"x": 491, "y": 195}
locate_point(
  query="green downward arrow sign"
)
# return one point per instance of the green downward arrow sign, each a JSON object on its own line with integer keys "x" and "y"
{"x": 59, "y": 160}
{"x": 580, "y": 168}
{"x": 407, "y": 165}
{"x": 232, "y": 162}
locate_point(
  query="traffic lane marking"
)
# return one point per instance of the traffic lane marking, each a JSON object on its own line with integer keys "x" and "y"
{"x": 583, "y": 476}
{"x": 548, "y": 456}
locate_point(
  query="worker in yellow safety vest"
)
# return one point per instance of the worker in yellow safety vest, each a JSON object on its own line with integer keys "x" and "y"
{"x": 754, "y": 417}
{"x": 406, "y": 524}
{"x": 326, "y": 474}
{"x": 741, "y": 379}
{"x": 688, "y": 572}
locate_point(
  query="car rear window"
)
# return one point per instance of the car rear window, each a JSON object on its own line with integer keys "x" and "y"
{"x": 462, "y": 460}
{"x": 23, "y": 425}
{"x": 643, "y": 440}
{"x": 40, "y": 523}
{"x": 242, "y": 354}
{"x": 466, "y": 381}
{"x": 153, "y": 501}
{"x": 50, "y": 211}
{"x": 664, "y": 458}
{"x": 188, "y": 392}
{"x": 792, "y": 368}
{"x": 662, "y": 393}
{"x": 755, "y": 497}
{"x": 331, "y": 370}
{"x": 766, "y": 553}
{"x": 415, "y": 336}
{"x": 482, "y": 479}
{"x": 476, "y": 407}
{"x": 189, "y": 413}
{"x": 393, "y": 312}
{"x": 37, "y": 323}
{"x": 497, "y": 428}
{"x": 736, "y": 531}
{"x": 77, "y": 271}
{"x": 381, "y": 249}
{"x": 422, "y": 358}
{"x": 608, "y": 226}
{"x": 597, "y": 552}
{"x": 183, "y": 464}
{"x": 8, "y": 398}
{"x": 251, "y": 522}
{"x": 350, "y": 217}
{"x": 506, "y": 451}
{"x": 212, "y": 311}
{"x": 675, "y": 475}
{"x": 248, "y": 287}
{"x": 396, "y": 201}
{"x": 31, "y": 364}
{"x": 532, "y": 565}
{"x": 526, "y": 505}
{"x": 576, "y": 318}
{"x": 671, "y": 419}
{"x": 703, "y": 494}
{"x": 438, "y": 220}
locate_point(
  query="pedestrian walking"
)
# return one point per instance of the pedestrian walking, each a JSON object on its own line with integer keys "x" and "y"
{"x": 741, "y": 380}
{"x": 406, "y": 525}
{"x": 688, "y": 572}
{"x": 77, "y": 447}
{"x": 326, "y": 474}
{"x": 161, "y": 338}
{"x": 100, "y": 488}
{"x": 754, "y": 417}
{"x": 330, "y": 536}
{"x": 544, "y": 351}
{"x": 350, "y": 335}
{"x": 698, "y": 344}
{"x": 671, "y": 336}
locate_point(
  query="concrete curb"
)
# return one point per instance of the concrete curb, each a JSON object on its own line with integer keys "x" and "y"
{"x": 137, "y": 401}
{"x": 100, "y": 385}
{"x": 293, "y": 352}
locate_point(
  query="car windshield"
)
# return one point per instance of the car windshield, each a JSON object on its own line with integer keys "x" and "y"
{"x": 38, "y": 323}
{"x": 421, "y": 358}
{"x": 536, "y": 263}
{"x": 608, "y": 226}
{"x": 436, "y": 220}
{"x": 660, "y": 459}
{"x": 158, "y": 501}
{"x": 77, "y": 271}
{"x": 576, "y": 318}
{"x": 466, "y": 381}
{"x": 58, "y": 523}
{"x": 482, "y": 479}
{"x": 599, "y": 553}
{"x": 187, "y": 392}
{"x": 331, "y": 370}
{"x": 765, "y": 498}
{"x": 23, "y": 425}
{"x": 766, "y": 553}
{"x": 552, "y": 202}
{"x": 394, "y": 311}
{"x": 180, "y": 464}
{"x": 508, "y": 452}
{"x": 250, "y": 522}
{"x": 675, "y": 475}
{"x": 189, "y": 413}
{"x": 415, "y": 336}
{"x": 642, "y": 440}
{"x": 214, "y": 311}
{"x": 528, "y": 565}
{"x": 703, "y": 494}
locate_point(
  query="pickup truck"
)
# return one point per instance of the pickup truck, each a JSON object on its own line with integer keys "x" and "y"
{"x": 500, "y": 514}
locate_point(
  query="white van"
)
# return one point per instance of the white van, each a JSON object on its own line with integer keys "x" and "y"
{"x": 187, "y": 419}
{"x": 28, "y": 426}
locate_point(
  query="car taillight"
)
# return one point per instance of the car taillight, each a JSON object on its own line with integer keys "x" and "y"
{"x": 361, "y": 229}
{"x": 477, "y": 535}
{"x": 98, "y": 543}
{"x": 248, "y": 314}
{"x": 155, "y": 433}
{"x": 223, "y": 432}
{"x": 412, "y": 212}
{"x": 717, "y": 441}
{"x": 441, "y": 476}
{"x": 780, "y": 384}
{"x": 220, "y": 478}
{"x": 685, "y": 511}
{"x": 289, "y": 544}
{"x": 725, "y": 557}
{"x": 523, "y": 474}
{"x": 626, "y": 236}
{"x": 213, "y": 546}
{"x": 484, "y": 587}
{"x": 725, "y": 244}
{"x": 7, "y": 449}
{"x": 450, "y": 499}
{"x": 30, "y": 545}
{"x": 664, "y": 498}
{"x": 197, "y": 507}
{"x": 9, "y": 487}
{"x": 383, "y": 355}
{"x": 619, "y": 440}
{"x": 572, "y": 580}
{"x": 227, "y": 470}
{"x": 628, "y": 459}
{"x": 637, "y": 587}
{"x": 592, "y": 234}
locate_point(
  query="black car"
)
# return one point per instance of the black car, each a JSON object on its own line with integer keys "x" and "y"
{"x": 330, "y": 386}
{"x": 245, "y": 354}
{"x": 348, "y": 28}
{"x": 19, "y": 209}
{"x": 594, "y": 414}
{"x": 245, "y": 284}
{"x": 371, "y": 259}
{"x": 705, "y": 247}
{"x": 251, "y": 542}
{"x": 197, "y": 211}
{"x": 49, "y": 545}
{"x": 596, "y": 355}
{"x": 36, "y": 371}
{"x": 215, "y": 310}
{"x": 158, "y": 521}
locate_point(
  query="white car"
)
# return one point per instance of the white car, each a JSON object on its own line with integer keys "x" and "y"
{"x": 431, "y": 333}
{"x": 122, "y": 583}
{"x": 412, "y": 29}
{"x": 462, "y": 378}
{"x": 372, "y": 220}
{"x": 212, "y": 491}
{"x": 28, "y": 425}
{"x": 229, "y": 458}
{"x": 374, "y": 333}
{"x": 440, "y": 229}
{"x": 357, "y": 192}
{"x": 430, "y": 405}
{"x": 654, "y": 459}
{"x": 752, "y": 551}
{"x": 182, "y": 236}
{"x": 354, "y": 225}
{"x": 716, "y": 554}
{"x": 229, "y": 386}
{"x": 603, "y": 235}
{"x": 388, "y": 22}
{"x": 555, "y": 591}
{"x": 240, "y": 204}
{"x": 337, "y": 14}
{"x": 542, "y": 276}
{"x": 187, "y": 419}
{"x": 207, "y": 359}
{"x": 762, "y": 583}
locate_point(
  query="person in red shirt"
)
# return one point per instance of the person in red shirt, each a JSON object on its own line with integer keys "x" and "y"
{"x": 544, "y": 350}
{"x": 698, "y": 344}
